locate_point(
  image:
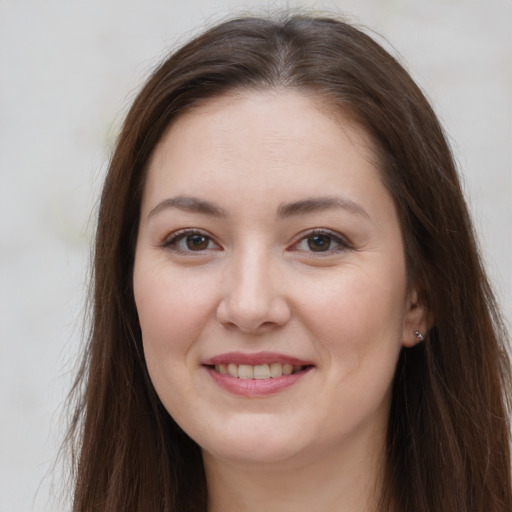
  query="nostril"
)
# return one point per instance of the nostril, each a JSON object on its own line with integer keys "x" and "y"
{"x": 253, "y": 316}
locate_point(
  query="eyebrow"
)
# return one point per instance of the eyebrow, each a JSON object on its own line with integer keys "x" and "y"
{"x": 316, "y": 204}
{"x": 304, "y": 206}
{"x": 189, "y": 204}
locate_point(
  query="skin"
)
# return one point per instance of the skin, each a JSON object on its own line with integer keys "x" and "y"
{"x": 257, "y": 282}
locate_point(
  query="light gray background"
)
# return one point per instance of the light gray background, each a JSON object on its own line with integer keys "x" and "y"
{"x": 68, "y": 70}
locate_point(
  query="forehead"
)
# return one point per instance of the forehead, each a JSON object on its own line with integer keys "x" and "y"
{"x": 264, "y": 132}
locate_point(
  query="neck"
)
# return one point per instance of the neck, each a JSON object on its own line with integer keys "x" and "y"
{"x": 345, "y": 480}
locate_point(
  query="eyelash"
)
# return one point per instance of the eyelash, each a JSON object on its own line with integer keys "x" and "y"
{"x": 342, "y": 243}
{"x": 182, "y": 235}
{"x": 332, "y": 237}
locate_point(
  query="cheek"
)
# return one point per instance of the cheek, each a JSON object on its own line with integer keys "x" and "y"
{"x": 356, "y": 299}
{"x": 172, "y": 311}
{"x": 356, "y": 317}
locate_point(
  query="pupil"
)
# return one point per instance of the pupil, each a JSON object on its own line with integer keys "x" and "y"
{"x": 197, "y": 242}
{"x": 319, "y": 243}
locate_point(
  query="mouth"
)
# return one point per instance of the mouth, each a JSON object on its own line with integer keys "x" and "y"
{"x": 260, "y": 374}
{"x": 263, "y": 371}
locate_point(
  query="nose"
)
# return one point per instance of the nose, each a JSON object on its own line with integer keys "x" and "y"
{"x": 254, "y": 299}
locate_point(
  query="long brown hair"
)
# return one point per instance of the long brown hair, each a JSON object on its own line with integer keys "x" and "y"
{"x": 448, "y": 445}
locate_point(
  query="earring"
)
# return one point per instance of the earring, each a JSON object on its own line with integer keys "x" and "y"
{"x": 419, "y": 336}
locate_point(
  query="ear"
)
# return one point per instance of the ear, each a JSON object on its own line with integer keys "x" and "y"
{"x": 417, "y": 319}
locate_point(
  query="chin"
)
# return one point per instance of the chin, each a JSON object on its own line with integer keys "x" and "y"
{"x": 253, "y": 454}
{"x": 250, "y": 445}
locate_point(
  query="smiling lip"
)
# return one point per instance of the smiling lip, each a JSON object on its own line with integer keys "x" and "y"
{"x": 255, "y": 359}
{"x": 252, "y": 387}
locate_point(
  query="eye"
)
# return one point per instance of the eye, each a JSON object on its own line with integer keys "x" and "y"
{"x": 187, "y": 241}
{"x": 321, "y": 241}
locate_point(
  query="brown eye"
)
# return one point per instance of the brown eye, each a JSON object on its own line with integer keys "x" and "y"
{"x": 323, "y": 242}
{"x": 319, "y": 243}
{"x": 197, "y": 242}
{"x": 190, "y": 241}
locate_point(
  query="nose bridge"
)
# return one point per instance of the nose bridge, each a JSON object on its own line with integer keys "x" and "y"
{"x": 253, "y": 299}
{"x": 252, "y": 278}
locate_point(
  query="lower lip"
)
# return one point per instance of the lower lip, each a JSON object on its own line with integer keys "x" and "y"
{"x": 255, "y": 387}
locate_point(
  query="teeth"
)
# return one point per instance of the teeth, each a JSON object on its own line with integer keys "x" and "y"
{"x": 276, "y": 370}
{"x": 287, "y": 369}
{"x": 246, "y": 371}
{"x": 259, "y": 371}
{"x": 233, "y": 370}
{"x": 262, "y": 371}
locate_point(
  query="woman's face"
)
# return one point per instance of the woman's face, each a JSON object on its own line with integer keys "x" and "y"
{"x": 270, "y": 280}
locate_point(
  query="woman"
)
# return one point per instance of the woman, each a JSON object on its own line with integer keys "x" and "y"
{"x": 289, "y": 310}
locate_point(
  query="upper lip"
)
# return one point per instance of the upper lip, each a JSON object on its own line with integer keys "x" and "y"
{"x": 255, "y": 359}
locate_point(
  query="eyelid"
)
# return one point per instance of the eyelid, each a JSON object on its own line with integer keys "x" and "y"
{"x": 343, "y": 243}
{"x": 170, "y": 241}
